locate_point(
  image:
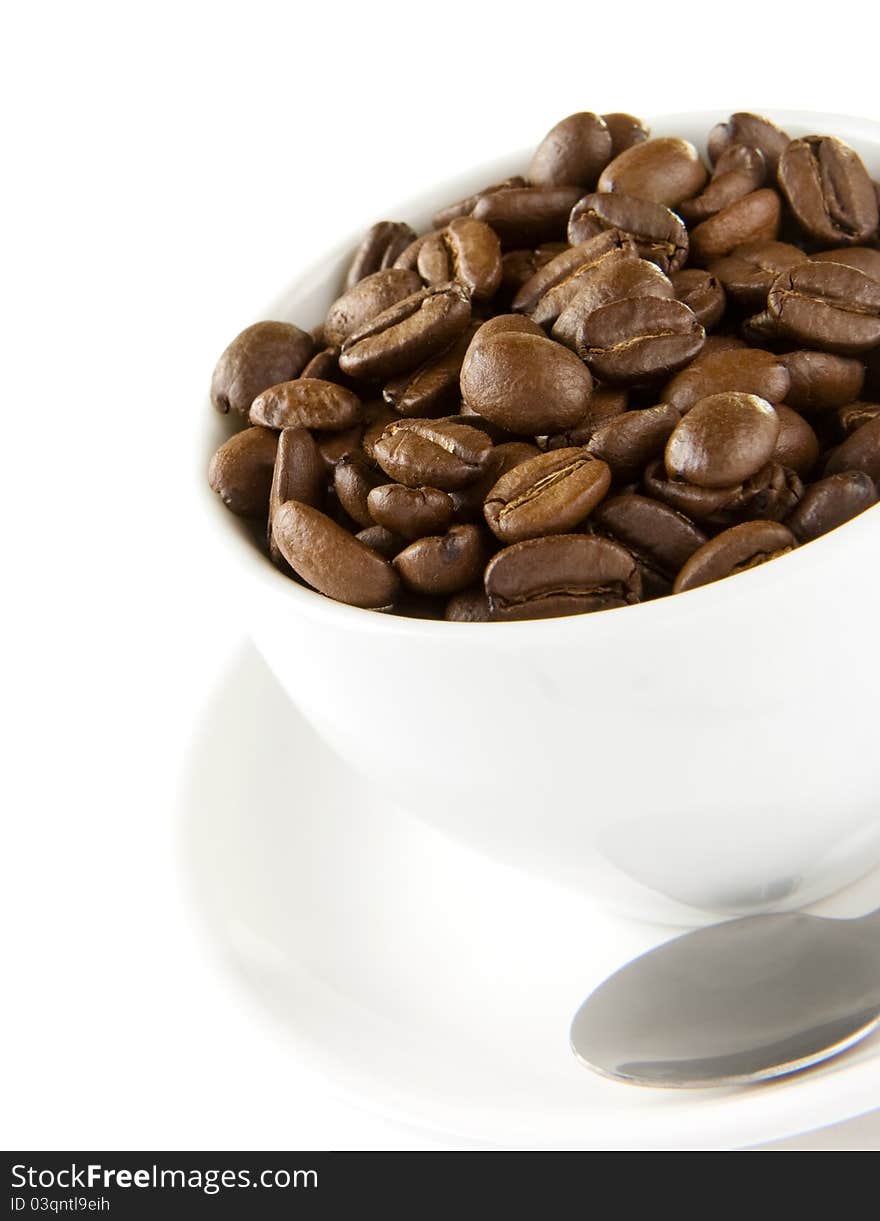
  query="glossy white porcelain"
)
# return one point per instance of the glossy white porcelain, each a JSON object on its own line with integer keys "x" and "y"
{"x": 714, "y": 752}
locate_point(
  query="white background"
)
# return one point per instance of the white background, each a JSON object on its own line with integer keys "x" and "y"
{"x": 168, "y": 168}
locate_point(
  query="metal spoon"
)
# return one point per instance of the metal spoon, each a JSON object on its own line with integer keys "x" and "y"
{"x": 741, "y": 1001}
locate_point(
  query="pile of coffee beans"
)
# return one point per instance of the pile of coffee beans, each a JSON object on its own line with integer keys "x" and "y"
{"x": 625, "y": 374}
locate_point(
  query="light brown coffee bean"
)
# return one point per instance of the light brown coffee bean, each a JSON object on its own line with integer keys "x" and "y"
{"x": 750, "y": 371}
{"x": 330, "y": 559}
{"x": 754, "y": 218}
{"x": 552, "y": 287}
{"x": 549, "y": 494}
{"x": 440, "y": 565}
{"x": 432, "y": 453}
{"x": 402, "y": 337}
{"x": 797, "y": 446}
{"x": 365, "y": 299}
{"x": 410, "y": 512}
{"x": 564, "y": 574}
{"x": 734, "y": 551}
{"x": 861, "y": 258}
{"x": 307, "y": 403}
{"x": 829, "y": 190}
{"x": 738, "y": 171}
{"x": 465, "y": 207}
{"x": 615, "y": 277}
{"x": 748, "y": 272}
{"x": 666, "y": 170}
{"x": 639, "y": 339}
{"x": 657, "y": 232}
{"x": 753, "y": 130}
{"x": 240, "y": 471}
{"x": 299, "y": 474}
{"x": 261, "y": 356}
{"x": 723, "y": 440}
{"x": 630, "y": 441}
{"x": 467, "y": 251}
{"x": 575, "y": 151}
{"x": 827, "y": 306}
{"x": 626, "y": 130}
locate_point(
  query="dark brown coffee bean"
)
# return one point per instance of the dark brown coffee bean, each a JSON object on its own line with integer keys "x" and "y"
{"x": 854, "y": 415}
{"x": 770, "y": 494}
{"x": 575, "y": 151}
{"x": 367, "y": 298}
{"x": 261, "y": 356}
{"x": 504, "y": 324}
{"x": 754, "y": 218}
{"x": 527, "y": 216}
{"x": 859, "y": 452}
{"x": 734, "y": 551}
{"x": 518, "y": 267}
{"x": 410, "y": 512}
{"x": 469, "y": 501}
{"x": 862, "y": 258}
{"x": 626, "y": 130}
{"x": 763, "y": 331}
{"x": 333, "y": 446}
{"x": 738, "y": 171}
{"x": 797, "y": 446}
{"x": 616, "y": 277}
{"x": 829, "y": 191}
{"x": 324, "y": 366}
{"x": 640, "y": 339}
{"x": 408, "y": 333}
{"x": 702, "y": 293}
{"x": 299, "y": 474}
{"x": 380, "y": 247}
{"x": 441, "y": 565}
{"x": 604, "y": 403}
{"x": 749, "y": 371}
{"x": 306, "y": 403}
{"x": 723, "y": 440}
{"x": 753, "y": 130}
{"x": 433, "y": 388}
{"x": 470, "y": 606}
{"x": 330, "y": 559}
{"x": 657, "y": 232}
{"x": 831, "y": 502}
{"x": 827, "y": 306}
{"x": 721, "y": 343}
{"x": 382, "y": 540}
{"x": 377, "y": 416}
{"x": 565, "y": 574}
{"x": 666, "y": 170}
{"x": 547, "y": 293}
{"x": 240, "y": 471}
{"x": 465, "y": 207}
{"x": 630, "y": 441}
{"x": 467, "y": 251}
{"x": 549, "y": 494}
{"x": 527, "y": 384}
{"x": 748, "y": 272}
{"x": 353, "y": 480}
{"x": 432, "y": 453}
{"x": 660, "y": 539}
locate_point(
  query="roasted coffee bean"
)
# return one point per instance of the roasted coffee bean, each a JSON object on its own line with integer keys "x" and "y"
{"x": 382, "y": 540}
{"x": 465, "y": 207}
{"x": 261, "y": 356}
{"x": 748, "y": 272}
{"x": 432, "y": 453}
{"x": 470, "y": 606}
{"x": 772, "y": 493}
{"x": 527, "y": 216}
{"x": 380, "y": 247}
{"x": 240, "y": 471}
{"x": 353, "y": 480}
{"x": 854, "y": 415}
{"x": 518, "y": 267}
{"x": 549, "y": 494}
{"x": 324, "y": 366}
{"x": 467, "y": 251}
{"x": 441, "y": 565}
{"x": 660, "y": 539}
{"x": 721, "y": 343}
{"x": 626, "y": 130}
{"x": 797, "y": 446}
{"x": 564, "y": 574}
{"x": 738, "y": 171}
{"x": 469, "y": 501}
{"x": 753, "y": 130}
{"x": 657, "y": 233}
{"x": 433, "y": 388}
{"x": 299, "y": 474}
{"x": 604, "y": 403}
{"x": 763, "y": 331}
{"x": 666, "y": 170}
{"x": 408, "y": 333}
{"x": 750, "y": 371}
{"x": 831, "y": 502}
{"x": 410, "y": 512}
{"x": 630, "y": 441}
{"x": 503, "y": 324}
{"x": 723, "y": 440}
{"x": 827, "y": 306}
{"x": 547, "y": 293}
{"x": 367, "y": 298}
{"x": 861, "y": 258}
{"x": 333, "y": 446}
{"x": 575, "y": 151}
{"x": 377, "y": 416}
{"x": 616, "y": 277}
{"x": 330, "y": 559}
{"x": 525, "y": 383}
{"x": 639, "y": 339}
{"x": 829, "y": 191}
{"x": 859, "y": 452}
{"x": 754, "y": 218}
{"x": 702, "y": 293}
{"x": 306, "y": 403}
{"x": 733, "y": 551}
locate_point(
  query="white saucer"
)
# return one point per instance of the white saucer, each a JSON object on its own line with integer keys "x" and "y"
{"x": 425, "y": 982}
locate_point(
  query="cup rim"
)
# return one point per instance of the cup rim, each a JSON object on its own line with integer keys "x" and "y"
{"x": 720, "y": 596}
